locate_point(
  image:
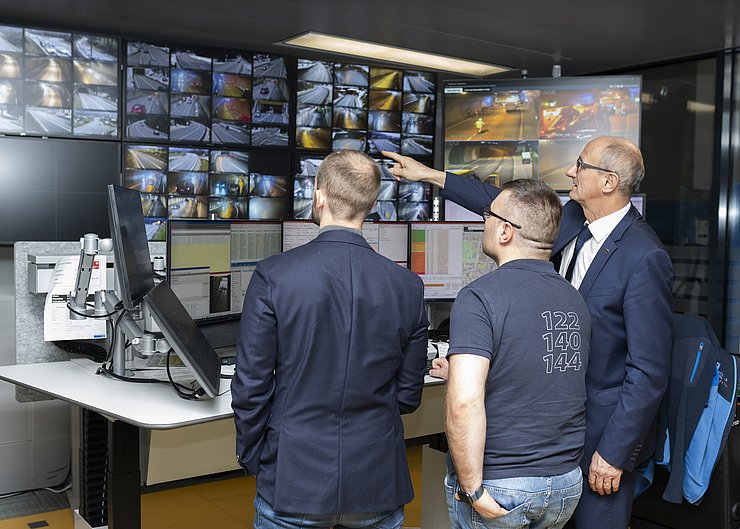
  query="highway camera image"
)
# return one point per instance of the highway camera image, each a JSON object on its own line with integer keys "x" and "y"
{"x": 96, "y": 72}
{"x": 268, "y": 66}
{"x": 420, "y": 103}
{"x": 145, "y": 180}
{"x": 229, "y": 162}
{"x": 313, "y": 116}
{"x": 351, "y": 74}
{"x": 503, "y": 115}
{"x": 141, "y": 54}
{"x": 96, "y": 48}
{"x": 314, "y": 93}
{"x": 146, "y": 157}
{"x": 350, "y": 118}
{"x": 95, "y": 123}
{"x": 187, "y": 183}
{"x": 230, "y": 132}
{"x": 156, "y": 229}
{"x": 273, "y": 89}
{"x": 186, "y": 159}
{"x": 270, "y": 112}
{"x": 145, "y": 102}
{"x": 384, "y": 141}
{"x": 229, "y": 185}
{"x": 344, "y": 140}
{"x": 49, "y": 43}
{"x": 233, "y": 62}
{"x": 188, "y": 207}
{"x": 314, "y": 71}
{"x": 275, "y": 136}
{"x": 48, "y": 120}
{"x": 493, "y": 162}
{"x": 309, "y": 166}
{"x": 385, "y": 100}
{"x": 49, "y": 69}
{"x": 10, "y": 65}
{"x": 148, "y": 78}
{"x": 385, "y": 78}
{"x": 232, "y": 85}
{"x": 147, "y": 127}
{"x": 229, "y": 208}
{"x": 417, "y": 145}
{"x": 95, "y": 98}
{"x": 350, "y": 96}
{"x": 383, "y": 211}
{"x": 190, "y": 106}
{"x": 11, "y": 39}
{"x": 190, "y": 60}
{"x": 418, "y": 82}
{"x": 384, "y": 121}
{"x": 183, "y": 129}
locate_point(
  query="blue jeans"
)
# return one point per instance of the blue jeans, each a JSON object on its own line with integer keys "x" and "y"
{"x": 534, "y": 503}
{"x": 266, "y": 518}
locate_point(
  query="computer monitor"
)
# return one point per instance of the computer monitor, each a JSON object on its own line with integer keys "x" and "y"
{"x": 390, "y": 239}
{"x": 210, "y": 263}
{"x": 297, "y": 233}
{"x": 448, "y": 256}
{"x": 133, "y": 264}
{"x": 185, "y": 337}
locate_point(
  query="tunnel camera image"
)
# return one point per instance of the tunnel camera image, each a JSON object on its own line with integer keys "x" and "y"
{"x": 411, "y": 211}
{"x": 49, "y": 69}
{"x": 303, "y": 187}
{"x": 229, "y": 185}
{"x": 313, "y": 116}
{"x": 419, "y": 103}
{"x": 188, "y": 207}
{"x": 493, "y": 162}
{"x": 350, "y": 96}
{"x": 385, "y": 78}
{"x": 11, "y": 117}
{"x": 155, "y": 78}
{"x": 147, "y": 127}
{"x": 351, "y": 74}
{"x": 414, "y": 192}
{"x": 11, "y": 92}
{"x": 189, "y": 82}
{"x": 584, "y": 114}
{"x": 96, "y": 73}
{"x": 388, "y": 190}
{"x": 348, "y": 140}
{"x": 143, "y": 54}
{"x": 308, "y": 166}
{"x": 187, "y": 183}
{"x": 101, "y": 98}
{"x": 229, "y": 162}
{"x": 315, "y": 71}
{"x": 190, "y": 130}
{"x": 95, "y": 123}
{"x": 145, "y": 180}
{"x": 311, "y": 93}
{"x": 233, "y": 62}
{"x": 48, "y": 120}
{"x": 232, "y": 85}
{"x": 383, "y": 211}
{"x": 268, "y": 186}
{"x": 268, "y": 208}
{"x": 48, "y": 95}
{"x": 226, "y": 132}
{"x": 385, "y": 164}
{"x": 228, "y": 208}
{"x": 190, "y": 60}
{"x": 49, "y": 43}
{"x": 146, "y": 157}
{"x": 384, "y": 121}
{"x": 270, "y": 136}
{"x": 502, "y": 115}
{"x": 302, "y": 208}
{"x": 385, "y": 100}
{"x": 96, "y": 48}
{"x": 220, "y": 293}
{"x": 418, "y": 124}
{"x": 154, "y": 205}
{"x": 232, "y": 109}
{"x": 187, "y": 159}
{"x": 309, "y": 138}
{"x": 156, "y": 229}
{"x": 417, "y": 145}
{"x": 414, "y": 81}
{"x": 190, "y": 106}
{"x": 11, "y": 39}
{"x": 10, "y": 65}
{"x": 147, "y": 103}
{"x": 272, "y": 89}
{"x": 555, "y": 158}
{"x": 269, "y": 66}
{"x": 350, "y": 118}
{"x": 270, "y": 112}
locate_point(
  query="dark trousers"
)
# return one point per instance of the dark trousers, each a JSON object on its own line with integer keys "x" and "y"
{"x": 605, "y": 512}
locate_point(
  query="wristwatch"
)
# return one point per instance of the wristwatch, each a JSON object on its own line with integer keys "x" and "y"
{"x": 469, "y": 498}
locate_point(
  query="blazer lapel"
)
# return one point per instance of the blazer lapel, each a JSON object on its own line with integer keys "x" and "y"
{"x": 609, "y": 248}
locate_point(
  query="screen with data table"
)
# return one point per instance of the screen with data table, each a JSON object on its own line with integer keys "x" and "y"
{"x": 448, "y": 256}
{"x": 210, "y": 263}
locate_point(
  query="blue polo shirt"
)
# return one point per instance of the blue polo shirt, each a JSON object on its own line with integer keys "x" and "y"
{"x": 535, "y": 329}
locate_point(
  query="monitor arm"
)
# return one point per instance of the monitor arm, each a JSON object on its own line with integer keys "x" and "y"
{"x": 90, "y": 246}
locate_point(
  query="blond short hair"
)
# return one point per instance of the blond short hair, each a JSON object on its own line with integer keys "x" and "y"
{"x": 351, "y": 182}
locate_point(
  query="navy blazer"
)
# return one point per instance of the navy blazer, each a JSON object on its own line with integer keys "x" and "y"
{"x": 628, "y": 292}
{"x": 332, "y": 349}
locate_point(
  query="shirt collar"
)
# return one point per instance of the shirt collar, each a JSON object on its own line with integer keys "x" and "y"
{"x": 333, "y": 227}
{"x": 601, "y": 228}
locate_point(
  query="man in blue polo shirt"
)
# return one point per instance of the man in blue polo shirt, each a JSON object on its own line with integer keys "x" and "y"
{"x": 516, "y": 392}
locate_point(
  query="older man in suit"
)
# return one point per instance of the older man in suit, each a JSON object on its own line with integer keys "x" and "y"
{"x": 618, "y": 264}
{"x": 332, "y": 349}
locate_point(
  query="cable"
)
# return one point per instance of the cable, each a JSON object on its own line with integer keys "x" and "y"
{"x": 109, "y": 372}
{"x": 193, "y": 395}
{"x": 100, "y": 317}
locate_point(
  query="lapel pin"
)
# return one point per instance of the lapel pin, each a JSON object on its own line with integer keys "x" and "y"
{"x": 607, "y": 250}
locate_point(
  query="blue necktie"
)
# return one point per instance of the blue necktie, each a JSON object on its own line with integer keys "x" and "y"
{"x": 583, "y": 236}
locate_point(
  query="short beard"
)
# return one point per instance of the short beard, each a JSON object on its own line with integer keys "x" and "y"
{"x": 315, "y": 212}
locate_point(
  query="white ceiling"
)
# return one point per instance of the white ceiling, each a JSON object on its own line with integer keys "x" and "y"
{"x": 584, "y": 36}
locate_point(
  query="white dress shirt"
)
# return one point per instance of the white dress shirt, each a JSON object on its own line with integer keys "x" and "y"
{"x": 600, "y": 230}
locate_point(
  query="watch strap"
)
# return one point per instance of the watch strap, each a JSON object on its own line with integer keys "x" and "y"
{"x": 472, "y": 497}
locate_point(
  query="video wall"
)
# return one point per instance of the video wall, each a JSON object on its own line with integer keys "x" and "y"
{"x": 497, "y": 131}
{"x": 181, "y": 94}
{"x": 56, "y": 83}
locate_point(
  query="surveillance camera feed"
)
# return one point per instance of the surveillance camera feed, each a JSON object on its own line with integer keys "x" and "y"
{"x": 498, "y": 131}
{"x": 55, "y": 83}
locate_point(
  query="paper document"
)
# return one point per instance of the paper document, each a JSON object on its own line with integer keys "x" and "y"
{"x": 57, "y": 323}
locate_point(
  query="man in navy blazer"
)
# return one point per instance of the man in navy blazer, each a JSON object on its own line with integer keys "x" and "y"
{"x": 625, "y": 276}
{"x": 331, "y": 351}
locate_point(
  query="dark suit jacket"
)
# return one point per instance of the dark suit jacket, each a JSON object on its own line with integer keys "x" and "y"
{"x": 332, "y": 349}
{"x": 627, "y": 290}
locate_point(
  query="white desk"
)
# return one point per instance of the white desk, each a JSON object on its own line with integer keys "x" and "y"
{"x": 154, "y": 406}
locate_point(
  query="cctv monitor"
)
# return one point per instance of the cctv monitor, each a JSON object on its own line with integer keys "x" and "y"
{"x": 185, "y": 337}
{"x": 448, "y": 256}
{"x": 210, "y": 263}
{"x": 131, "y": 249}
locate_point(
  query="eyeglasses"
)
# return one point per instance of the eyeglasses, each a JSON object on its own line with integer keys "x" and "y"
{"x": 487, "y": 213}
{"x": 580, "y": 164}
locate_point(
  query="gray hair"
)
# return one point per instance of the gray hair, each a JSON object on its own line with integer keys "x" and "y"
{"x": 623, "y": 157}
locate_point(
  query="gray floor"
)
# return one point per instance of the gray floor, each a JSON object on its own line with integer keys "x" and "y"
{"x": 33, "y": 502}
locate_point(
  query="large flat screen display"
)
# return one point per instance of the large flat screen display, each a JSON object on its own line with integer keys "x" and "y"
{"x": 502, "y": 130}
